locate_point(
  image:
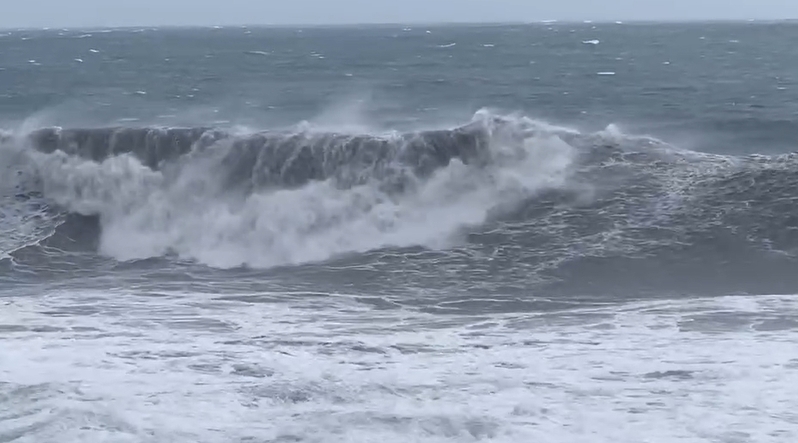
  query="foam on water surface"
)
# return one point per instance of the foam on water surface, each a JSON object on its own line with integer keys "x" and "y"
{"x": 168, "y": 366}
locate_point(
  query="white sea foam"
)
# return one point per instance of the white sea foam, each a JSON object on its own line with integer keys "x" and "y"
{"x": 124, "y": 366}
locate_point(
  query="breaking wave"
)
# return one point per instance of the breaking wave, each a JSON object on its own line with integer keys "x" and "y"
{"x": 299, "y": 195}
{"x": 285, "y": 197}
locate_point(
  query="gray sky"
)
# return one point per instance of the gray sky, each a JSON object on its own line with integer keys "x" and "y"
{"x": 71, "y": 13}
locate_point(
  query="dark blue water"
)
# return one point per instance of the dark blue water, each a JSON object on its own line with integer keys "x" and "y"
{"x": 714, "y": 84}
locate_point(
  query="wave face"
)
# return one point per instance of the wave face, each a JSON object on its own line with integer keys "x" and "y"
{"x": 285, "y": 158}
{"x": 556, "y": 201}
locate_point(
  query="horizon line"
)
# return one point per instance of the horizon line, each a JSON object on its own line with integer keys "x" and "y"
{"x": 405, "y": 23}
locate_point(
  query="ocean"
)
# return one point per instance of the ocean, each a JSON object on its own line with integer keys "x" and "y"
{"x": 543, "y": 232}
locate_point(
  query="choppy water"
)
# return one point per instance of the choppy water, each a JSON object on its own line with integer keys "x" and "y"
{"x": 548, "y": 232}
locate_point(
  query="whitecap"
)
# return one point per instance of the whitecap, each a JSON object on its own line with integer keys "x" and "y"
{"x": 605, "y": 73}
{"x": 256, "y": 53}
{"x": 94, "y": 51}
{"x": 591, "y": 42}
{"x": 79, "y": 60}
{"x": 448, "y": 45}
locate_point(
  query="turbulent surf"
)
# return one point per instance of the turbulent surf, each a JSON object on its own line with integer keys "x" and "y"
{"x": 294, "y": 196}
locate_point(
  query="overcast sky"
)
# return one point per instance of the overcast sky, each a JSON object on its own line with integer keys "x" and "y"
{"x": 70, "y": 13}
